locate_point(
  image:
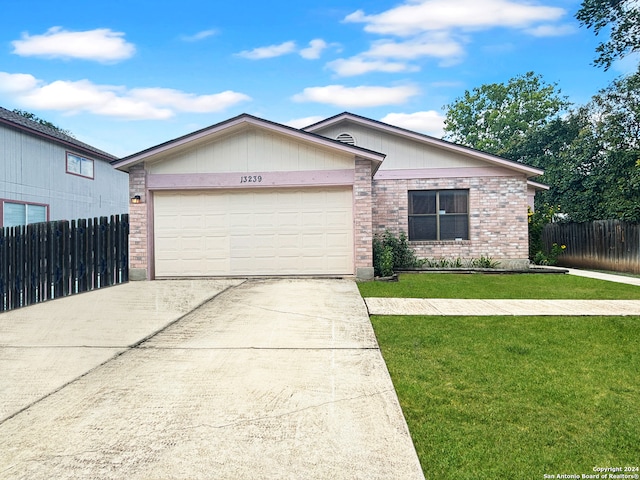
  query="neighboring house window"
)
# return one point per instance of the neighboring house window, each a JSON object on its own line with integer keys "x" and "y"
{"x": 19, "y": 213}
{"x": 439, "y": 215}
{"x": 78, "y": 165}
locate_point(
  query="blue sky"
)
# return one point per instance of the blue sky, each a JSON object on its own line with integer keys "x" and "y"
{"x": 125, "y": 75}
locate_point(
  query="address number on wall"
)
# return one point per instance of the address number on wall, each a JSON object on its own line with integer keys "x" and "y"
{"x": 251, "y": 179}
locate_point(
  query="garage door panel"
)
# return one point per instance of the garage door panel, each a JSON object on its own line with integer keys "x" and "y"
{"x": 215, "y": 220}
{"x": 337, "y": 218}
{"x": 288, "y": 220}
{"x": 313, "y": 242}
{"x": 257, "y": 232}
{"x": 336, "y": 240}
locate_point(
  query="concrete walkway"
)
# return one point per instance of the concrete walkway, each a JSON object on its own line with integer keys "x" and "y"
{"x": 603, "y": 276}
{"x": 459, "y": 307}
{"x": 211, "y": 379}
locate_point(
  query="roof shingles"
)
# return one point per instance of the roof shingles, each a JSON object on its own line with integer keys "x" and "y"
{"x": 20, "y": 122}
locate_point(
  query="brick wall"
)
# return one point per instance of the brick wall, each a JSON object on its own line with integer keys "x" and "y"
{"x": 138, "y": 248}
{"x": 363, "y": 219}
{"x": 497, "y": 217}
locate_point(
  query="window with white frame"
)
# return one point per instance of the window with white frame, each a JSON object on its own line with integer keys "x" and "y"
{"x": 77, "y": 165}
{"x": 20, "y": 213}
{"x": 439, "y": 215}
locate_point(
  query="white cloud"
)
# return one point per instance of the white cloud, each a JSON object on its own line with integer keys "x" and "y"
{"x": 362, "y": 96}
{"x": 390, "y": 56}
{"x": 188, "y": 102}
{"x": 441, "y": 28}
{"x": 101, "y": 45}
{"x": 437, "y": 44}
{"x": 628, "y": 64}
{"x": 17, "y": 83}
{"x": 304, "y": 122}
{"x": 551, "y": 30}
{"x": 109, "y": 100}
{"x": 316, "y": 46}
{"x": 418, "y": 16}
{"x": 358, "y": 66}
{"x": 269, "y": 52}
{"x": 199, "y": 36}
{"x": 430, "y": 122}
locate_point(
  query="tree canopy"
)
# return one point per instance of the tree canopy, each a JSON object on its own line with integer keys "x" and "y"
{"x": 497, "y": 118}
{"x": 590, "y": 154}
{"x": 623, "y": 18}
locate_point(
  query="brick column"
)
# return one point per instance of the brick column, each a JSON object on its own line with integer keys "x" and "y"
{"x": 363, "y": 220}
{"x": 138, "y": 247}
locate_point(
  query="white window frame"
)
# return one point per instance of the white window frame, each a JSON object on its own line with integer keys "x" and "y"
{"x": 4, "y": 202}
{"x": 80, "y": 166}
{"x": 437, "y": 215}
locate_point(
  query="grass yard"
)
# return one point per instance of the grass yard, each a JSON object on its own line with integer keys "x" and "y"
{"x": 516, "y": 397}
{"x": 526, "y": 285}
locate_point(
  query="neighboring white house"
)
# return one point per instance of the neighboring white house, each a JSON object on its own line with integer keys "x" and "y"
{"x": 252, "y": 197}
{"x": 47, "y": 175}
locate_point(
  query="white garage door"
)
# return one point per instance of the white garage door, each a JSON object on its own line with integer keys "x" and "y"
{"x": 254, "y": 232}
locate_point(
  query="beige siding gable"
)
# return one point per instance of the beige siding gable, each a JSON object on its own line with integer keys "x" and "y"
{"x": 251, "y": 150}
{"x": 402, "y": 153}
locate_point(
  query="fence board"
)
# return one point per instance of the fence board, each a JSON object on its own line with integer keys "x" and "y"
{"x": 49, "y": 260}
{"x": 604, "y": 244}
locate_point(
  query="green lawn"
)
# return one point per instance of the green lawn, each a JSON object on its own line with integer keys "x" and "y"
{"x": 516, "y": 397}
{"x": 528, "y": 285}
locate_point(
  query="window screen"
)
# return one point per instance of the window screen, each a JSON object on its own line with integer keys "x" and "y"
{"x": 439, "y": 215}
{"x": 15, "y": 214}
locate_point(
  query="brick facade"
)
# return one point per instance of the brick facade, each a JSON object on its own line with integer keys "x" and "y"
{"x": 138, "y": 214}
{"x": 494, "y": 229}
{"x": 363, "y": 219}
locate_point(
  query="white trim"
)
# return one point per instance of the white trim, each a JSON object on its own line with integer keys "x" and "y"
{"x": 244, "y": 120}
{"x": 537, "y": 186}
{"x": 425, "y": 139}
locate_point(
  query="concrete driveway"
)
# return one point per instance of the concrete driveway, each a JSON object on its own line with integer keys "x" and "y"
{"x": 209, "y": 379}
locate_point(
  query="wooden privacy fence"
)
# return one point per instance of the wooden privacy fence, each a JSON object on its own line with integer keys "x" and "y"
{"x": 43, "y": 261}
{"x": 603, "y": 244}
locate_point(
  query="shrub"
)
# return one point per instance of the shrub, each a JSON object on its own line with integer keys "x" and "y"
{"x": 537, "y": 221}
{"x": 484, "y": 262}
{"x": 386, "y": 262}
{"x": 550, "y": 258}
{"x": 391, "y": 252}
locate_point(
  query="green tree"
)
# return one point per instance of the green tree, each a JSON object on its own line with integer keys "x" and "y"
{"x": 497, "y": 118}
{"x": 623, "y": 19}
{"x": 591, "y": 156}
{"x": 616, "y": 115}
{"x": 33, "y": 117}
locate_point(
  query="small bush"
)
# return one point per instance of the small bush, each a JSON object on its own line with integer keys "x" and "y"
{"x": 537, "y": 251}
{"x": 485, "y": 262}
{"x": 482, "y": 262}
{"x": 550, "y": 258}
{"x": 386, "y": 262}
{"x": 391, "y": 252}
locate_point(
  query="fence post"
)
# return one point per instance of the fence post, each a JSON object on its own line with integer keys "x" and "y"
{"x": 124, "y": 247}
{"x": 4, "y": 269}
{"x": 55, "y": 259}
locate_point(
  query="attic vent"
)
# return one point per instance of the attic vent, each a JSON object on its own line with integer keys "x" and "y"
{"x": 346, "y": 138}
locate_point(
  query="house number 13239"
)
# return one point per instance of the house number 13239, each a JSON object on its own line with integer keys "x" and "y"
{"x": 251, "y": 179}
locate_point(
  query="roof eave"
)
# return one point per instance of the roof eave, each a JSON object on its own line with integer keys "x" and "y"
{"x": 127, "y": 162}
{"x": 93, "y": 153}
{"x": 436, "y": 142}
{"x": 538, "y": 186}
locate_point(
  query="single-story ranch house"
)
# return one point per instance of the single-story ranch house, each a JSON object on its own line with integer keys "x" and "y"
{"x": 249, "y": 196}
